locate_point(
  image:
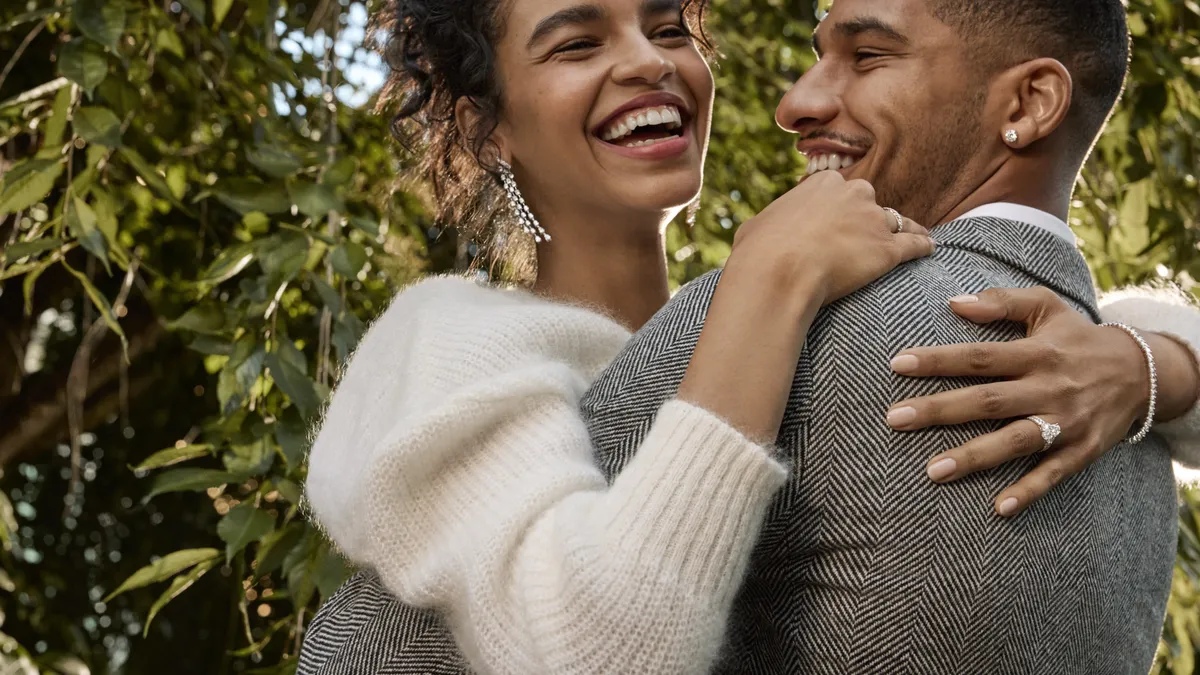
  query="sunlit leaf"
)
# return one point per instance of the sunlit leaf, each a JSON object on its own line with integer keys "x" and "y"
{"x": 174, "y": 455}
{"x": 178, "y": 585}
{"x": 190, "y": 480}
{"x": 81, "y": 221}
{"x": 164, "y": 568}
{"x": 295, "y": 384}
{"x": 23, "y": 248}
{"x": 100, "y": 302}
{"x": 220, "y": 9}
{"x": 228, "y": 264}
{"x": 148, "y": 173}
{"x": 29, "y": 185}
{"x": 57, "y": 124}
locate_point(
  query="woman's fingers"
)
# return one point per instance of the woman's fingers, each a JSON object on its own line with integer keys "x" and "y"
{"x": 994, "y": 401}
{"x": 1054, "y": 469}
{"x": 1024, "y": 305}
{"x": 1019, "y": 439}
{"x": 980, "y": 359}
{"x": 914, "y": 246}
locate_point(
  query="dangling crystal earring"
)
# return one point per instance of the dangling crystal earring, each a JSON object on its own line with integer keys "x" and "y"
{"x": 516, "y": 202}
{"x": 692, "y": 210}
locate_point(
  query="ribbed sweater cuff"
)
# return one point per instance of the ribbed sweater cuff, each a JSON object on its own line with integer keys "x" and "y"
{"x": 699, "y": 497}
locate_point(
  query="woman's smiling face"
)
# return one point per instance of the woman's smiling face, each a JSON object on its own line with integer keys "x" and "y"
{"x": 606, "y": 104}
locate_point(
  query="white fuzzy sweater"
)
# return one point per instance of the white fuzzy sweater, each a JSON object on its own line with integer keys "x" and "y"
{"x": 453, "y": 461}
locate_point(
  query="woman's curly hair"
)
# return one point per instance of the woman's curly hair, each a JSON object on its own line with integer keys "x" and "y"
{"x": 439, "y": 51}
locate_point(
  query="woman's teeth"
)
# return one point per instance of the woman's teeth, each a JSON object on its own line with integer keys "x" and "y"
{"x": 833, "y": 162}
{"x": 646, "y": 117}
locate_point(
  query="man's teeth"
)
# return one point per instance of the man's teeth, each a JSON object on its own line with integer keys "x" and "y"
{"x": 646, "y": 117}
{"x": 834, "y": 162}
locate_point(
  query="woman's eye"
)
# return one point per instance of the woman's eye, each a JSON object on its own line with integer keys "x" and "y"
{"x": 575, "y": 46}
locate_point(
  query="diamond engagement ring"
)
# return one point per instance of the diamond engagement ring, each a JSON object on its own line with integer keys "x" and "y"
{"x": 1050, "y": 431}
{"x": 898, "y": 217}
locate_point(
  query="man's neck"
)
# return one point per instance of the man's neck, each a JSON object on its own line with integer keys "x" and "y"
{"x": 1057, "y": 207}
{"x": 1025, "y": 181}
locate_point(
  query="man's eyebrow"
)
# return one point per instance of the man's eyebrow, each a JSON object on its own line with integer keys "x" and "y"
{"x": 868, "y": 24}
{"x": 566, "y": 17}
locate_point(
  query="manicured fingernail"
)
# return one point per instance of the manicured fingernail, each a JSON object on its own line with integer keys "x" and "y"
{"x": 965, "y": 299}
{"x": 1008, "y": 506}
{"x": 902, "y": 416}
{"x": 942, "y": 469}
{"x": 905, "y": 363}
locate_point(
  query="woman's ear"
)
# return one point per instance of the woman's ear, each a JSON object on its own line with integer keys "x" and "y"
{"x": 469, "y": 119}
{"x": 1038, "y": 97}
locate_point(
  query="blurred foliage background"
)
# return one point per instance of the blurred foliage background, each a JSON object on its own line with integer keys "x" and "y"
{"x": 198, "y": 216}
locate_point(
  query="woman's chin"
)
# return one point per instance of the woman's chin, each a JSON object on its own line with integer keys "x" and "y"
{"x": 665, "y": 192}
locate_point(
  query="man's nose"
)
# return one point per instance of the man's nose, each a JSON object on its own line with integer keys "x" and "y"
{"x": 641, "y": 61}
{"x": 813, "y": 101}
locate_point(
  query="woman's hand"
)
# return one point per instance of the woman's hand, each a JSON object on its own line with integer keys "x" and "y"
{"x": 829, "y": 231}
{"x": 1092, "y": 381}
{"x": 822, "y": 240}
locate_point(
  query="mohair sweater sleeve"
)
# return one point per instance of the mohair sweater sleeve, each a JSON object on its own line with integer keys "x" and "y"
{"x": 453, "y": 460}
{"x": 1169, "y": 311}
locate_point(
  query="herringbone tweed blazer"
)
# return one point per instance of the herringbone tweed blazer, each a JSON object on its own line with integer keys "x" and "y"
{"x": 864, "y": 565}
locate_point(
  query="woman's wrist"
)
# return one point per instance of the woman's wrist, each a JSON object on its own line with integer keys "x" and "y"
{"x": 1178, "y": 376}
{"x": 744, "y": 363}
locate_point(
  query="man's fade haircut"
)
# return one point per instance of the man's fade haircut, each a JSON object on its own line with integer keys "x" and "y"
{"x": 1089, "y": 37}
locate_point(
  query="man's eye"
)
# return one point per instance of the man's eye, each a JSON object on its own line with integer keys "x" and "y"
{"x": 861, "y": 56}
{"x": 672, "y": 33}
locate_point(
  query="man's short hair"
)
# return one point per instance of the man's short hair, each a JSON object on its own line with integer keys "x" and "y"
{"x": 1089, "y": 37}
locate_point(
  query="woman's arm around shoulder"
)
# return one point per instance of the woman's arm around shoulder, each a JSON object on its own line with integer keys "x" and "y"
{"x": 1174, "y": 316}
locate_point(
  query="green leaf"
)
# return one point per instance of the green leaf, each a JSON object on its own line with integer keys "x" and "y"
{"x": 295, "y": 384}
{"x": 273, "y": 161}
{"x": 83, "y": 63}
{"x": 190, "y": 480}
{"x": 101, "y": 304}
{"x": 368, "y": 225}
{"x": 220, "y": 9}
{"x": 31, "y": 278}
{"x": 292, "y": 438}
{"x": 275, "y": 547}
{"x": 81, "y": 221}
{"x": 228, "y": 264}
{"x": 8, "y": 522}
{"x": 100, "y": 20}
{"x": 106, "y": 215}
{"x": 251, "y": 459}
{"x": 247, "y": 196}
{"x": 23, "y": 248}
{"x": 148, "y": 173}
{"x": 195, "y": 8}
{"x": 243, "y": 524}
{"x": 314, "y": 199}
{"x": 340, "y": 172}
{"x": 349, "y": 259}
{"x": 170, "y": 456}
{"x": 328, "y": 296}
{"x": 57, "y": 124}
{"x": 164, "y": 568}
{"x": 168, "y": 41}
{"x": 289, "y": 490}
{"x": 207, "y": 318}
{"x": 177, "y": 180}
{"x": 178, "y": 585}
{"x": 331, "y": 571}
{"x": 29, "y": 184}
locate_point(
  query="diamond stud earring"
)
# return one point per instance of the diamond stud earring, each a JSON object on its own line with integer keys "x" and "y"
{"x": 1011, "y": 137}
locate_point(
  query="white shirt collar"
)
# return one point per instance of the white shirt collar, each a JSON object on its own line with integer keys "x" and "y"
{"x": 1023, "y": 214}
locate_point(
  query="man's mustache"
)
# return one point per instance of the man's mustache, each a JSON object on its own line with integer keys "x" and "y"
{"x": 863, "y": 144}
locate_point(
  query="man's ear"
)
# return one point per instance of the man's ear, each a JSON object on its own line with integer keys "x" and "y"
{"x": 468, "y": 119}
{"x": 1037, "y": 98}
